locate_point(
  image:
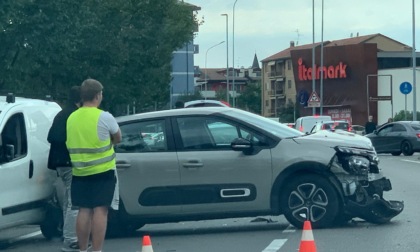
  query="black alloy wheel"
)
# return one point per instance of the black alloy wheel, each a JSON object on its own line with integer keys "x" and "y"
{"x": 310, "y": 197}
{"x": 406, "y": 148}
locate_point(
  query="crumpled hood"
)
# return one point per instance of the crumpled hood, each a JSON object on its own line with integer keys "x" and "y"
{"x": 337, "y": 138}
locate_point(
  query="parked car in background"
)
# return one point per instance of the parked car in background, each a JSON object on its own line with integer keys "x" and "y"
{"x": 219, "y": 162}
{"x": 304, "y": 124}
{"x": 359, "y": 129}
{"x": 206, "y": 103}
{"x": 290, "y": 125}
{"x": 397, "y": 137}
{"x": 332, "y": 126}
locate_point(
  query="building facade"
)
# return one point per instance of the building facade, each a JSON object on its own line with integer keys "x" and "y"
{"x": 349, "y": 77}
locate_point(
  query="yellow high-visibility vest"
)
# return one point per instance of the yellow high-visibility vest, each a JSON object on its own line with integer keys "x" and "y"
{"x": 89, "y": 155}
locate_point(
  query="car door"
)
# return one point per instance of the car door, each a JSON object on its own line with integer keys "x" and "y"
{"x": 147, "y": 167}
{"x": 380, "y": 139}
{"x": 214, "y": 178}
{"x": 396, "y": 136}
{"x": 20, "y": 197}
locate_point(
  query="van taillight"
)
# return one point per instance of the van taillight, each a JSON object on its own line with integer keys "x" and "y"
{"x": 301, "y": 128}
{"x": 350, "y": 129}
{"x": 418, "y": 135}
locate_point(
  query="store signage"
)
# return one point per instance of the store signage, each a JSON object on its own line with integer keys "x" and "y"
{"x": 330, "y": 72}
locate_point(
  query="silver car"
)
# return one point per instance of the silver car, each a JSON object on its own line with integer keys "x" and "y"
{"x": 218, "y": 162}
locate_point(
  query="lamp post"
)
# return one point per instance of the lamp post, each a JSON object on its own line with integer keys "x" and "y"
{"x": 313, "y": 51}
{"x": 227, "y": 59}
{"x": 321, "y": 88}
{"x": 233, "y": 55}
{"x": 205, "y": 65}
{"x": 414, "y": 67}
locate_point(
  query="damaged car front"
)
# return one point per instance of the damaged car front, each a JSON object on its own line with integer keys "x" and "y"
{"x": 334, "y": 177}
{"x": 363, "y": 184}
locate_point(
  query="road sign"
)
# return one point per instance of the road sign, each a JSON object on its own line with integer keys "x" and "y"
{"x": 406, "y": 87}
{"x": 314, "y": 100}
{"x": 380, "y": 98}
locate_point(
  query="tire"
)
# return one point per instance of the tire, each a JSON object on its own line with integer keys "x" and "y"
{"x": 120, "y": 224}
{"x": 396, "y": 153}
{"x": 310, "y": 197}
{"x": 52, "y": 226}
{"x": 406, "y": 148}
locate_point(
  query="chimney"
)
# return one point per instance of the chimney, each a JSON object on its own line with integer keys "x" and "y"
{"x": 292, "y": 43}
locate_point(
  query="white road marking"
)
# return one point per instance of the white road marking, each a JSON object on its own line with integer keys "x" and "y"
{"x": 275, "y": 245}
{"x": 290, "y": 229}
{"x": 412, "y": 161}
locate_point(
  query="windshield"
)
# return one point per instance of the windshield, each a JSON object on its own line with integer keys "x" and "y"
{"x": 269, "y": 125}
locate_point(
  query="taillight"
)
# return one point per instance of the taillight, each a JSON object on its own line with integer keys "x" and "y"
{"x": 301, "y": 128}
{"x": 418, "y": 135}
{"x": 350, "y": 129}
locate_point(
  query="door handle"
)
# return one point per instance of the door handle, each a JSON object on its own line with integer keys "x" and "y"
{"x": 123, "y": 164}
{"x": 193, "y": 164}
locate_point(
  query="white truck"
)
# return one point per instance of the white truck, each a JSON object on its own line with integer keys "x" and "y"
{"x": 27, "y": 185}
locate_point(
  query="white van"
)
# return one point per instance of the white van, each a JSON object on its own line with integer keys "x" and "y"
{"x": 305, "y": 123}
{"x": 26, "y": 183}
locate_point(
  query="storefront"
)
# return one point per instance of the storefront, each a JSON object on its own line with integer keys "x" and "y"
{"x": 345, "y": 72}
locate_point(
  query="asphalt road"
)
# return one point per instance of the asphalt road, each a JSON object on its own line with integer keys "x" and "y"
{"x": 267, "y": 233}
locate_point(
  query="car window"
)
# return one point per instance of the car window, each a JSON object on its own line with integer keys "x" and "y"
{"x": 398, "y": 128}
{"x": 415, "y": 127}
{"x": 209, "y": 133}
{"x": 148, "y": 136}
{"x": 341, "y": 126}
{"x": 13, "y": 137}
{"x": 385, "y": 130}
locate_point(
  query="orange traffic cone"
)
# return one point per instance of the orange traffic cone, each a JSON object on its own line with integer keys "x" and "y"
{"x": 307, "y": 244}
{"x": 147, "y": 244}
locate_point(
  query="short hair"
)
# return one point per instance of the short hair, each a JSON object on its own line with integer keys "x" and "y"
{"x": 89, "y": 89}
{"x": 74, "y": 95}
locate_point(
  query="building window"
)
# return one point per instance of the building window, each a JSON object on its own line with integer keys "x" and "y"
{"x": 289, "y": 65}
{"x": 266, "y": 103}
{"x": 289, "y": 84}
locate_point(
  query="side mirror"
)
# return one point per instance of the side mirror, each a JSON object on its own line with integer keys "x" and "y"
{"x": 241, "y": 144}
{"x": 375, "y": 132}
{"x": 9, "y": 152}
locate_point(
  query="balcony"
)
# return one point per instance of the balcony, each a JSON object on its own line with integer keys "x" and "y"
{"x": 275, "y": 74}
{"x": 276, "y": 93}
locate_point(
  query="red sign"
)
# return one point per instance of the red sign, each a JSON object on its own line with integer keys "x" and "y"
{"x": 330, "y": 72}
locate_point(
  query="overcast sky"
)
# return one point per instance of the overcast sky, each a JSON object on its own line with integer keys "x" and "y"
{"x": 266, "y": 27}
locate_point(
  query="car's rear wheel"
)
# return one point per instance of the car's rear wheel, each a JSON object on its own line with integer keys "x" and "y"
{"x": 406, "y": 148}
{"x": 120, "y": 224}
{"x": 310, "y": 197}
{"x": 396, "y": 153}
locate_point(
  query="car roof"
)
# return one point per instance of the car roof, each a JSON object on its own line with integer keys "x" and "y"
{"x": 174, "y": 112}
{"x": 196, "y": 102}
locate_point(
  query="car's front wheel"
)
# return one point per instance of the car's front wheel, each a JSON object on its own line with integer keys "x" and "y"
{"x": 310, "y": 197}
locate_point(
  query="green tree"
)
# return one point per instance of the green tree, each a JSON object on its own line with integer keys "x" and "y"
{"x": 289, "y": 113}
{"x": 250, "y": 98}
{"x": 401, "y": 116}
{"x": 48, "y": 46}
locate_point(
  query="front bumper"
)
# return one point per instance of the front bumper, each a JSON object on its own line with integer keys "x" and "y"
{"x": 370, "y": 204}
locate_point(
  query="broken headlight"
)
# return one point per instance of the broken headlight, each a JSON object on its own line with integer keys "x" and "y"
{"x": 356, "y": 165}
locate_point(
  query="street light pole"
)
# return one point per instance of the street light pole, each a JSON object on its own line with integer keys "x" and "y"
{"x": 414, "y": 67}
{"x": 205, "y": 69}
{"x": 227, "y": 59}
{"x": 313, "y": 51}
{"x": 233, "y": 55}
{"x": 321, "y": 87}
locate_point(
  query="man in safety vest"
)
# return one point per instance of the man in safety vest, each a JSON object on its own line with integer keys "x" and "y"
{"x": 91, "y": 134}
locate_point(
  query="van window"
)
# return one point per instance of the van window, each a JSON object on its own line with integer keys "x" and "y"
{"x": 13, "y": 137}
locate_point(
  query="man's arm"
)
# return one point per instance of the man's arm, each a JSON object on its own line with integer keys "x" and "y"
{"x": 116, "y": 138}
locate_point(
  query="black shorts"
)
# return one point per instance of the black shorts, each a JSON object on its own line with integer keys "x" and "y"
{"x": 94, "y": 190}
